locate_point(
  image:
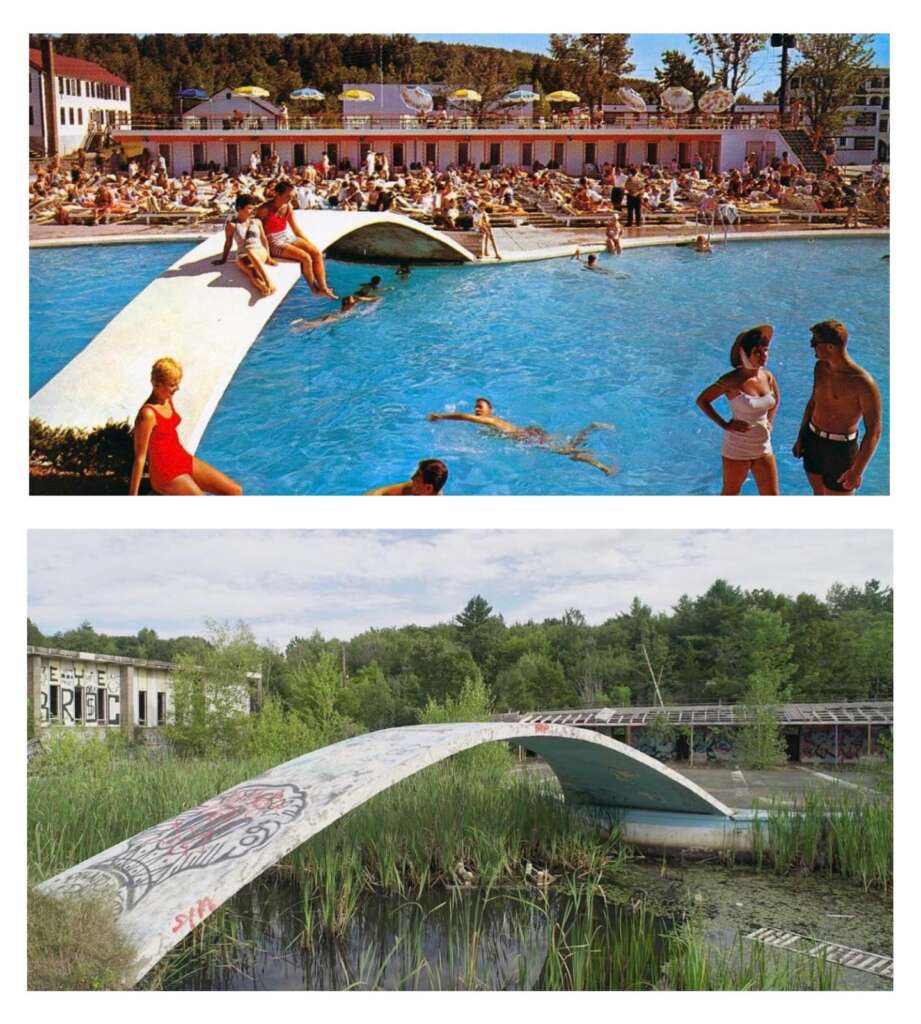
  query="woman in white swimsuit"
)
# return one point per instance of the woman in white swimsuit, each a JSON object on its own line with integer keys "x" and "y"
{"x": 753, "y": 397}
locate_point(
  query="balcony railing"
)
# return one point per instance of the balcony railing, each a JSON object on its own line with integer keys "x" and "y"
{"x": 486, "y": 122}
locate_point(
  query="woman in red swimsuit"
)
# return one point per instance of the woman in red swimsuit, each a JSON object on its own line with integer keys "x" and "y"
{"x": 288, "y": 242}
{"x": 172, "y": 469}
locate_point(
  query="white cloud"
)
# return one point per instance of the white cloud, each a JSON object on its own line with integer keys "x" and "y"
{"x": 287, "y": 582}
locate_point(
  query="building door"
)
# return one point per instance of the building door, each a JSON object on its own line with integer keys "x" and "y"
{"x": 652, "y": 152}
{"x": 265, "y": 152}
{"x": 620, "y": 154}
{"x": 198, "y": 156}
{"x": 364, "y": 148}
{"x": 431, "y": 153}
{"x": 684, "y": 154}
{"x": 463, "y": 153}
{"x": 527, "y": 154}
{"x": 233, "y": 157}
{"x": 398, "y": 159}
{"x": 332, "y": 151}
{"x": 559, "y": 153}
{"x": 791, "y": 738}
{"x": 590, "y": 154}
{"x": 495, "y": 154}
{"x": 101, "y": 705}
{"x": 300, "y": 154}
{"x": 756, "y": 150}
{"x": 166, "y": 152}
{"x": 161, "y": 708}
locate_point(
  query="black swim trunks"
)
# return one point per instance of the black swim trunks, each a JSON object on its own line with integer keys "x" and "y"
{"x": 827, "y": 458}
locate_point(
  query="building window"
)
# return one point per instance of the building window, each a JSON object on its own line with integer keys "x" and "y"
{"x": 885, "y": 103}
{"x": 559, "y": 153}
{"x": 875, "y": 101}
{"x": 79, "y": 115}
{"x": 883, "y": 124}
{"x": 527, "y": 154}
{"x": 495, "y": 154}
{"x": 794, "y": 83}
{"x": 233, "y": 157}
{"x": 198, "y": 156}
{"x": 589, "y": 152}
{"x": 652, "y": 152}
{"x": 463, "y": 153}
{"x": 54, "y": 702}
{"x": 867, "y": 119}
{"x": 875, "y": 83}
{"x": 332, "y": 151}
{"x": 864, "y": 142}
{"x": 31, "y": 116}
{"x": 71, "y": 113}
{"x": 60, "y": 85}
{"x": 842, "y": 141}
{"x": 78, "y": 703}
{"x": 161, "y": 708}
{"x": 101, "y": 705}
{"x": 398, "y": 154}
{"x": 431, "y": 153}
{"x": 300, "y": 154}
{"x": 63, "y": 115}
{"x": 142, "y": 707}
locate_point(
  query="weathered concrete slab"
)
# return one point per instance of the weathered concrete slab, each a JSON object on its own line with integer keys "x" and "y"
{"x": 207, "y": 317}
{"x": 165, "y": 881}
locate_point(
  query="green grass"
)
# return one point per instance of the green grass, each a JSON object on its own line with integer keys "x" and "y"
{"x": 831, "y": 833}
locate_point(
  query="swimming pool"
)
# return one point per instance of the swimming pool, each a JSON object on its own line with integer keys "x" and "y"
{"x": 342, "y": 408}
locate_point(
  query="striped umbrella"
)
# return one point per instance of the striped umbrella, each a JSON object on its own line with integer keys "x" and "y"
{"x": 677, "y": 99}
{"x": 632, "y": 99}
{"x": 715, "y": 101}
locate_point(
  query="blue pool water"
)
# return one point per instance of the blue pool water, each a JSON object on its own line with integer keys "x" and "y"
{"x": 342, "y": 408}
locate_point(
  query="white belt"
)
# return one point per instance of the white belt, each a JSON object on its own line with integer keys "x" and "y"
{"x": 832, "y": 437}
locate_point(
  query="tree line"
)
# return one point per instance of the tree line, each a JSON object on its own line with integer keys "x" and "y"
{"x": 703, "y": 650}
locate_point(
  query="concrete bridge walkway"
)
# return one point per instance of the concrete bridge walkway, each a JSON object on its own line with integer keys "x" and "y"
{"x": 207, "y": 317}
{"x": 165, "y": 881}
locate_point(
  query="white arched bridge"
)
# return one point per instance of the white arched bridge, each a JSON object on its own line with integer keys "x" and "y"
{"x": 207, "y": 317}
{"x": 165, "y": 881}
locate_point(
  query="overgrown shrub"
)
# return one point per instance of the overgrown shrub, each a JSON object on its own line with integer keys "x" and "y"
{"x": 277, "y": 735}
{"x": 101, "y": 451}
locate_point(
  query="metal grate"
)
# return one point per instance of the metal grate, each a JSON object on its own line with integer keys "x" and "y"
{"x": 833, "y": 952}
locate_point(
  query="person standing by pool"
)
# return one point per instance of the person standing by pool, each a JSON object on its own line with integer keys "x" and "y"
{"x": 481, "y": 224}
{"x": 427, "y": 481}
{"x": 843, "y": 393}
{"x": 753, "y": 397}
{"x": 252, "y": 246}
{"x": 635, "y": 189}
{"x": 288, "y": 242}
{"x": 172, "y": 469}
{"x": 617, "y": 191}
{"x": 573, "y": 448}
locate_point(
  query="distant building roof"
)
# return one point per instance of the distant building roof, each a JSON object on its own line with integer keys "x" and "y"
{"x": 74, "y": 67}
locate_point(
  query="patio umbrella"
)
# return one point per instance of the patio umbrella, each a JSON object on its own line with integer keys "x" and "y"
{"x": 306, "y": 94}
{"x": 466, "y": 95}
{"x": 715, "y": 101}
{"x": 357, "y": 96}
{"x": 416, "y": 98}
{"x": 677, "y": 99}
{"x": 521, "y": 96}
{"x": 632, "y": 99}
{"x": 251, "y": 91}
{"x": 562, "y": 96}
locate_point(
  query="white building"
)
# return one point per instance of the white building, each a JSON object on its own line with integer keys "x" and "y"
{"x": 865, "y": 134}
{"x": 86, "y": 95}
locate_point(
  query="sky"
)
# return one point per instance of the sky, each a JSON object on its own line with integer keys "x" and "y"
{"x": 288, "y": 583}
{"x": 647, "y": 53}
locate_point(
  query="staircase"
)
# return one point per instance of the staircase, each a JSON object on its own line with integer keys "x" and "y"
{"x": 799, "y": 141}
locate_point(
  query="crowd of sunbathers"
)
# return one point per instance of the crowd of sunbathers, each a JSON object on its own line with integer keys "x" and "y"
{"x": 96, "y": 191}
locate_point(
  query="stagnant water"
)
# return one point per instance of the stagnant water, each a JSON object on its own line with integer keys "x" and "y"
{"x": 264, "y": 938}
{"x": 445, "y": 940}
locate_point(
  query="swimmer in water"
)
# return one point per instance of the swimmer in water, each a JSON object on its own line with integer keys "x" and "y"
{"x": 404, "y": 270}
{"x": 591, "y": 263}
{"x": 371, "y": 287}
{"x": 573, "y": 448}
{"x": 702, "y": 244}
{"x": 349, "y": 304}
{"x": 427, "y": 481}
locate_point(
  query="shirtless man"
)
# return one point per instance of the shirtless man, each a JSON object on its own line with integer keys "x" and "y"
{"x": 573, "y": 448}
{"x": 427, "y": 481}
{"x": 347, "y": 306}
{"x": 843, "y": 393}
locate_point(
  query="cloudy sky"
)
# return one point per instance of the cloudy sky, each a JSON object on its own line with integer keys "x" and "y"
{"x": 285, "y": 583}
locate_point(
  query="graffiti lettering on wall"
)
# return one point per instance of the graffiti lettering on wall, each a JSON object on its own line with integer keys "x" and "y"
{"x": 73, "y": 692}
{"x": 817, "y": 743}
{"x": 662, "y": 748}
{"x": 230, "y": 826}
{"x": 716, "y": 744}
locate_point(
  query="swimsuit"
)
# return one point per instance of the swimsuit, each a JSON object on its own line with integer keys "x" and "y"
{"x": 167, "y": 458}
{"x": 827, "y": 457}
{"x": 756, "y": 441}
{"x": 278, "y": 231}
